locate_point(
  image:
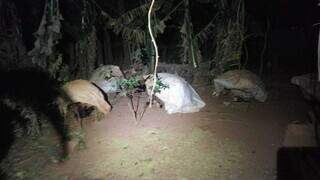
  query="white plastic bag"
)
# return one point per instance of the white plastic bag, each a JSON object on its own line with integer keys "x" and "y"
{"x": 179, "y": 96}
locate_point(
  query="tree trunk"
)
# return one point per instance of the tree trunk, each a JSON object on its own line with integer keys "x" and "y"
{"x": 86, "y": 55}
{"x": 92, "y": 52}
{"x": 100, "y": 53}
{"x": 108, "y": 55}
{"x": 319, "y": 57}
{"x": 125, "y": 45}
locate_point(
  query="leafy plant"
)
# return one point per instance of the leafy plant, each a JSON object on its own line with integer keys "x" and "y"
{"x": 141, "y": 55}
{"x": 160, "y": 86}
{"x": 129, "y": 85}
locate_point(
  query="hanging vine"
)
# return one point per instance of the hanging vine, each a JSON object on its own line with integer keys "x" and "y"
{"x": 156, "y": 55}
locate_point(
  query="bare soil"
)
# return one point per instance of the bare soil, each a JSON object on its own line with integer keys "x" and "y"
{"x": 237, "y": 140}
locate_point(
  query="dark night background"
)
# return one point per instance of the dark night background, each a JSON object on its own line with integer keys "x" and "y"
{"x": 293, "y": 25}
{"x": 286, "y": 31}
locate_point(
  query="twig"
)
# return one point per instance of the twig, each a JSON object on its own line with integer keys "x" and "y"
{"x": 265, "y": 45}
{"x": 138, "y": 102}
{"x": 24, "y": 161}
{"x": 172, "y": 11}
{"x": 134, "y": 113}
{"x": 143, "y": 111}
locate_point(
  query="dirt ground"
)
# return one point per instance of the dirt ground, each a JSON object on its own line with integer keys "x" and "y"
{"x": 236, "y": 141}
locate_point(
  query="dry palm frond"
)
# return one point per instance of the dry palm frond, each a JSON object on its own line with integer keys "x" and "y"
{"x": 205, "y": 1}
{"x": 132, "y": 15}
{"x": 206, "y": 32}
{"x": 190, "y": 50}
{"x": 229, "y": 36}
{"x": 132, "y": 25}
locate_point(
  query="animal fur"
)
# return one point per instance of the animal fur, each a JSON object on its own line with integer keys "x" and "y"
{"x": 83, "y": 91}
{"x": 242, "y": 83}
{"x": 29, "y": 89}
{"x": 309, "y": 85}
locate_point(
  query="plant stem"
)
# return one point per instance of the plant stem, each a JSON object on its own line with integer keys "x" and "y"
{"x": 156, "y": 50}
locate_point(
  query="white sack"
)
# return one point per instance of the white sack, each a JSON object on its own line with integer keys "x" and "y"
{"x": 179, "y": 97}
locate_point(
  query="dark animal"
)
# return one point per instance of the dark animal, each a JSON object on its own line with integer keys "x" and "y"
{"x": 309, "y": 86}
{"x": 36, "y": 89}
{"x": 81, "y": 110}
{"x": 242, "y": 83}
